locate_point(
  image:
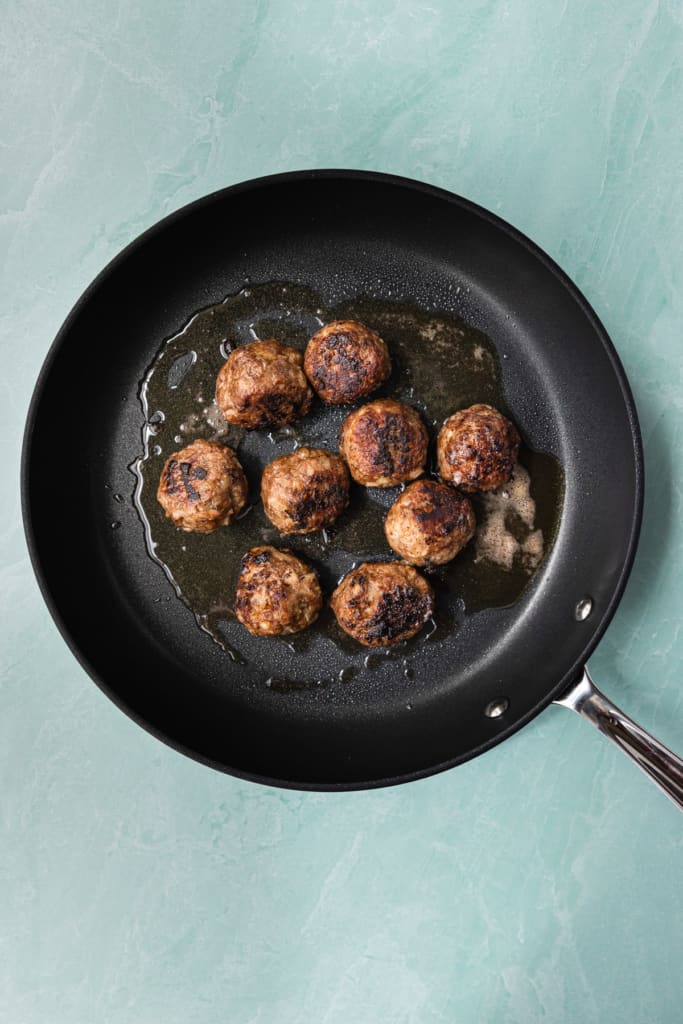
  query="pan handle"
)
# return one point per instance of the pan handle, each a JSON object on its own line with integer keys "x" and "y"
{"x": 656, "y": 760}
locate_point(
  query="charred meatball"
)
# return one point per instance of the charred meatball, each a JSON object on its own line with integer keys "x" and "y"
{"x": 305, "y": 491}
{"x": 277, "y": 593}
{"x": 263, "y": 385}
{"x": 384, "y": 443}
{"x": 202, "y": 487}
{"x": 345, "y": 361}
{"x": 477, "y": 449}
{"x": 382, "y": 603}
{"x": 429, "y": 523}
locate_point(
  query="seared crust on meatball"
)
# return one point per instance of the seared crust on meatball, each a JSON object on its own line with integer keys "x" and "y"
{"x": 305, "y": 490}
{"x": 382, "y": 603}
{"x": 384, "y": 443}
{"x": 477, "y": 449}
{"x": 202, "y": 487}
{"x": 429, "y": 523}
{"x": 263, "y": 384}
{"x": 276, "y": 593}
{"x": 345, "y": 361}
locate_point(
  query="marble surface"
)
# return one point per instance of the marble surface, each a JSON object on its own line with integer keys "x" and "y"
{"x": 541, "y": 882}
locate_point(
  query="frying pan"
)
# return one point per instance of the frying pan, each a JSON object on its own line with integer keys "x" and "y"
{"x": 347, "y": 234}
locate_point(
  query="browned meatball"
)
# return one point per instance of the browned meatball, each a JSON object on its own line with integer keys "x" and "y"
{"x": 384, "y": 443}
{"x": 305, "y": 491}
{"x": 202, "y": 487}
{"x": 382, "y": 603}
{"x": 345, "y": 361}
{"x": 277, "y": 593}
{"x": 429, "y": 523}
{"x": 263, "y": 385}
{"x": 477, "y": 449}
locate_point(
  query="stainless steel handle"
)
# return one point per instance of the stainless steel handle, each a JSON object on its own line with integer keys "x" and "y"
{"x": 656, "y": 760}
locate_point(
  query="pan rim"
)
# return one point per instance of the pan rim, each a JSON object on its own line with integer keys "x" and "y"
{"x": 378, "y": 178}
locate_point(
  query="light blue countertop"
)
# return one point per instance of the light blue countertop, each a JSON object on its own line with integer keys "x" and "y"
{"x": 540, "y": 882}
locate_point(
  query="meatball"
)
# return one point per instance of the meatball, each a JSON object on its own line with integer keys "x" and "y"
{"x": 382, "y": 603}
{"x": 263, "y": 385}
{"x": 384, "y": 443}
{"x": 202, "y": 487}
{"x": 345, "y": 361}
{"x": 477, "y": 449}
{"x": 305, "y": 491}
{"x": 276, "y": 593}
{"x": 429, "y": 523}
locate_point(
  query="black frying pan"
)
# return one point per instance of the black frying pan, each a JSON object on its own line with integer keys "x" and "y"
{"x": 343, "y": 233}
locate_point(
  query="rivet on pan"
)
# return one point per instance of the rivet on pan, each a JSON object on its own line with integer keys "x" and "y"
{"x": 583, "y": 609}
{"x": 497, "y": 707}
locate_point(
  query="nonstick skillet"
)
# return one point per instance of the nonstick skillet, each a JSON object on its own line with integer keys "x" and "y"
{"x": 346, "y": 234}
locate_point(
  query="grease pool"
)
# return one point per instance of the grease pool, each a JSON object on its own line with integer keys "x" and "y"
{"x": 440, "y": 364}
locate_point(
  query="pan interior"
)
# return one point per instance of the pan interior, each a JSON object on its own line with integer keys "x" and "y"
{"x": 346, "y": 237}
{"x": 440, "y": 364}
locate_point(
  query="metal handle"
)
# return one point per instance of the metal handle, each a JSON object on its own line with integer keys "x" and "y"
{"x": 656, "y": 760}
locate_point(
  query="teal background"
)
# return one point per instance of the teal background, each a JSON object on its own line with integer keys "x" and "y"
{"x": 541, "y": 882}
